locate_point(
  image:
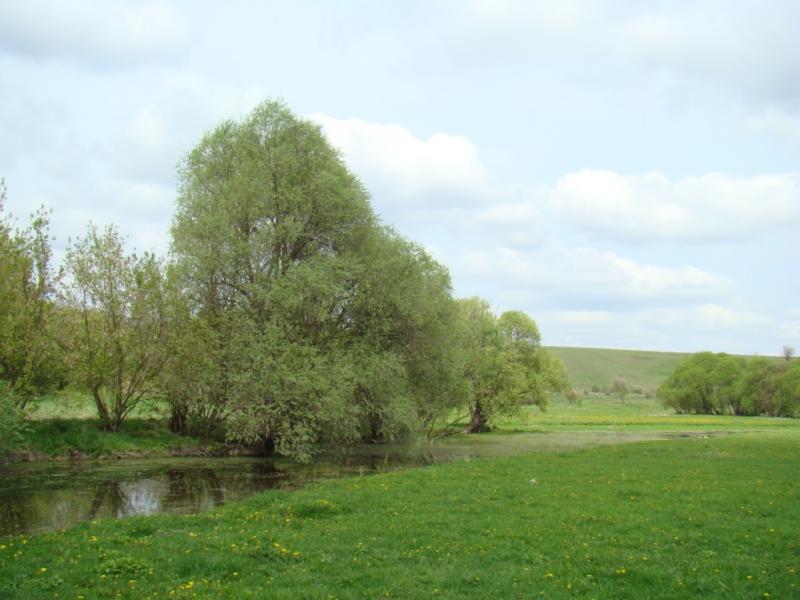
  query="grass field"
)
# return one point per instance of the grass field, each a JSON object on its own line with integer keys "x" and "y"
{"x": 708, "y": 509}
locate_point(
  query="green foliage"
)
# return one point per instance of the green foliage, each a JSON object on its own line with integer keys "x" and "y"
{"x": 12, "y": 424}
{"x": 504, "y": 363}
{"x": 768, "y": 388}
{"x": 304, "y": 320}
{"x": 29, "y": 358}
{"x": 708, "y": 383}
{"x": 117, "y": 324}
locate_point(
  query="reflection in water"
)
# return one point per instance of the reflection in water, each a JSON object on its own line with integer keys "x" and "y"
{"x": 45, "y": 497}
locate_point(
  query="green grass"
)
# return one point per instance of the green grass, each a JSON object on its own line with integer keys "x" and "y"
{"x": 65, "y": 437}
{"x": 79, "y": 405}
{"x": 66, "y": 425}
{"x": 599, "y": 412}
{"x": 710, "y": 518}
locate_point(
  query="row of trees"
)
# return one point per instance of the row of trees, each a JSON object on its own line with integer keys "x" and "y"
{"x": 709, "y": 383}
{"x": 287, "y": 314}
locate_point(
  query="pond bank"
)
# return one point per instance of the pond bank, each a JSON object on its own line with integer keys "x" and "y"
{"x": 82, "y": 439}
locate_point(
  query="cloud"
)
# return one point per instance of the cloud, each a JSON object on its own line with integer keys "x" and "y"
{"x": 728, "y": 45}
{"x": 650, "y": 207}
{"x": 755, "y": 53}
{"x": 586, "y": 279}
{"x": 713, "y": 327}
{"x": 437, "y": 186}
{"x": 99, "y": 32}
{"x": 160, "y": 133}
{"x": 442, "y": 169}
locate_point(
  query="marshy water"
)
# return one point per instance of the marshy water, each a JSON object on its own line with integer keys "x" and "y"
{"x": 46, "y": 496}
{"x": 37, "y": 497}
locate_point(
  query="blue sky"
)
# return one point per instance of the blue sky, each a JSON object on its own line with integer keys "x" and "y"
{"x": 625, "y": 172}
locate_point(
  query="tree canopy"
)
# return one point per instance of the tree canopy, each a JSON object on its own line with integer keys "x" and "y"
{"x": 319, "y": 323}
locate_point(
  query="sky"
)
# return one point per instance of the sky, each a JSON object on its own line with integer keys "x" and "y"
{"x": 627, "y": 173}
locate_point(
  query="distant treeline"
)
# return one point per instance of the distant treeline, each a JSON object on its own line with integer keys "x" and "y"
{"x": 718, "y": 384}
{"x": 286, "y": 314}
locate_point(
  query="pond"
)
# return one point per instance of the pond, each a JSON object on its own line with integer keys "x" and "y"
{"x": 37, "y": 497}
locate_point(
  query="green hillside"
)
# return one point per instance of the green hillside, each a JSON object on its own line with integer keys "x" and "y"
{"x": 589, "y": 367}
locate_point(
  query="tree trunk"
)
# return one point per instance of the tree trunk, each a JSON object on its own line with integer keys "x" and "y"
{"x": 267, "y": 446}
{"x": 102, "y": 409}
{"x": 178, "y": 421}
{"x": 477, "y": 419}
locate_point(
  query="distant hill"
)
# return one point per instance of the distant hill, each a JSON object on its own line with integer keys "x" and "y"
{"x": 589, "y": 367}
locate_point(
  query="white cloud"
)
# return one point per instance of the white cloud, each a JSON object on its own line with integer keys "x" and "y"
{"x": 438, "y": 184}
{"x": 587, "y": 278}
{"x": 442, "y": 169}
{"x": 688, "y": 329}
{"x": 94, "y": 31}
{"x": 649, "y": 207}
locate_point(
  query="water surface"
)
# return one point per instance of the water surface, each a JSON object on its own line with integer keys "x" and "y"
{"x": 37, "y": 497}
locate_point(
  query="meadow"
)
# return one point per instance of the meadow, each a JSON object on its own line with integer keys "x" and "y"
{"x": 596, "y": 500}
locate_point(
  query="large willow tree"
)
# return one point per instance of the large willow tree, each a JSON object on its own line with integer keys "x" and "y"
{"x": 306, "y": 320}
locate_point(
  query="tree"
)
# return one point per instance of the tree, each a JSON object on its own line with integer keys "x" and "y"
{"x": 788, "y": 352}
{"x": 704, "y": 383}
{"x": 29, "y": 357}
{"x": 119, "y": 324}
{"x": 504, "y": 364}
{"x": 315, "y": 323}
{"x": 542, "y": 374}
{"x": 769, "y": 388}
{"x": 621, "y": 388}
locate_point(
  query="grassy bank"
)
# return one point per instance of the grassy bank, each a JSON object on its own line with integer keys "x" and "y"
{"x": 707, "y": 518}
{"x": 66, "y": 426}
{"x": 76, "y": 438}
